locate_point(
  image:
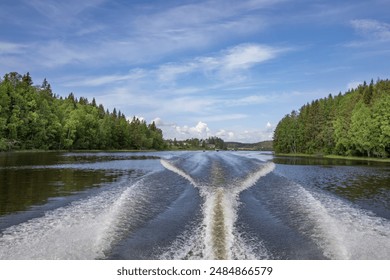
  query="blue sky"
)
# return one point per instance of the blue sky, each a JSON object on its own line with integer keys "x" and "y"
{"x": 222, "y": 68}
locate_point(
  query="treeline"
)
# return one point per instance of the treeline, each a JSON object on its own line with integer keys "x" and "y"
{"x": 196, "y": 144}
{"x": 356, "y": 123}
{"x": 32, "y": 117}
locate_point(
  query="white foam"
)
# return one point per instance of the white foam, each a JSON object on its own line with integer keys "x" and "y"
{"x": 220, "y": 207}
{"x": 189, "y": 245}
{"x": 341, "y": 230}
{"x": 254, "y": 177}
{"x": 178, "y": 171}
{"x": 83, "y": 230}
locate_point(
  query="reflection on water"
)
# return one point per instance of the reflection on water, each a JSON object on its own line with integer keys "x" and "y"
{"x": 290, "y": 160}
{"x": 23, "y": 188}
{"x": 28, "y": 179}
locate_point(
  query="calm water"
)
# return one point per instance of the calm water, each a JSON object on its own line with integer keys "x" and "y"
{"x": 191, "y": 205}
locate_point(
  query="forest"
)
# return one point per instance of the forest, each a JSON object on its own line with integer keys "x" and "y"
{"x": 33, "y": 117}
{"x": 356, "y": 123}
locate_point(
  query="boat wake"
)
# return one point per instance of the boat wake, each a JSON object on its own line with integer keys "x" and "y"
{"x": 85, "y": 229}
{"x": 217, "y": 237}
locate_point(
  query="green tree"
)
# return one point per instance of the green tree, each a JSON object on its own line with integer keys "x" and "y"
{"x": 361, "y": 130}
{"x": 381, "y": 120}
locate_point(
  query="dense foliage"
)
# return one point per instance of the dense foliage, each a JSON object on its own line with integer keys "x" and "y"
{"x": 32, "y": 117}
{"x": 356, "y": 123}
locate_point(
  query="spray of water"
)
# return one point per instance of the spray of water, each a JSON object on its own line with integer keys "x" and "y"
{"x": 85, "y": 229}
{"x": 344, "y": 231}
{"x": 338, "y": 228}
{"x": 218, "y": 235}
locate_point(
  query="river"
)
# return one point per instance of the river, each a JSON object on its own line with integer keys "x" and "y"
{"x": 191, "y": 205}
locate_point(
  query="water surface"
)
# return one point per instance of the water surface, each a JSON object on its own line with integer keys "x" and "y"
{"x": 191, "y": 205}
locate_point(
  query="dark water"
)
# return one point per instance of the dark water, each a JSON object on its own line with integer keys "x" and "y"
{"x": 191, "y": 205}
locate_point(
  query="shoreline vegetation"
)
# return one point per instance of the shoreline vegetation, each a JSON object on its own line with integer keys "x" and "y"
{"x": 353, "y": 124}
{"x": 32, "y": 117}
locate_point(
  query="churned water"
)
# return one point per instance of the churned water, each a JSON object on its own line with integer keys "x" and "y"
{"x": 191, "y": 205}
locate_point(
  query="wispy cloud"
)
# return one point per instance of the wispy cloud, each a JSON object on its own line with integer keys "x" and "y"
{"x": 132, "y": 39}
{"x": 11, "y": 48}
{"x": 57, "y": 53}
{"x": 225, "y": 117}
{"x": 61, "y": 12}
{"x": 224, "y": 64}
{"x": 169, "y": 72}
{"x": 248, "y": 100}
{"x": 206, "y": 17}
{"x": 247, "y": 55}
{"x": 372, "y": 29}
{"x": 96, "y": 81}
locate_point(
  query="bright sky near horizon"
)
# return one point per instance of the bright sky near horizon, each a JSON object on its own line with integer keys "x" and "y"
{"x": 222, "y": 68}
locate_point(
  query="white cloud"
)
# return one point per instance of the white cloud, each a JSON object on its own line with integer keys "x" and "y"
{"x": 169, "y": 72}
{"x": 247, "y": 55}
{"x": 135, "y": 74}
{"x": 372, "y": 28}
{"x": 202, "y": 102}
{"x": 225, "y": 135}
{"x": 225, "y": 117}
{"x": 203, "y": 19}
{"x": 248, "y": 100}
{"x": 57, "y": 53}
{"x": 225, "y": 64}
{"x": 201, "y": 128}
{"x": 241, "y": 57}
{"x": 133, "y": 39}
{"x": 11, "y": 48}
{"x": 171, "y": 30}
{"x": 142, "y": 34}
{"x": 62, "y": 12}
{"x": 202, "y": 131}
